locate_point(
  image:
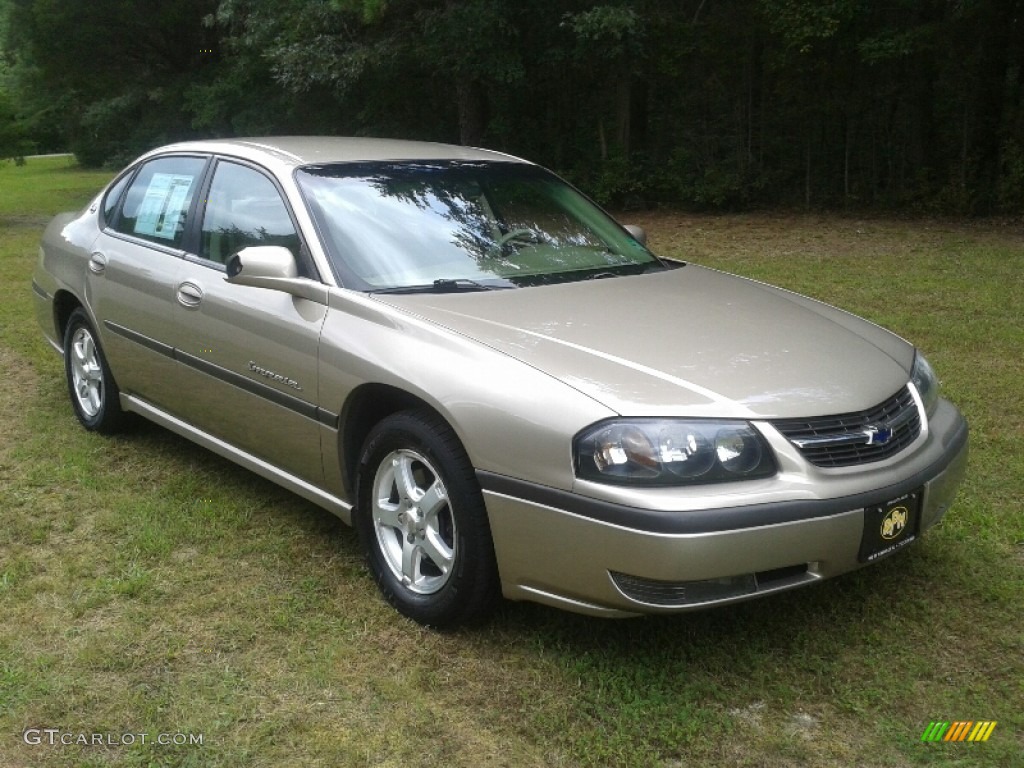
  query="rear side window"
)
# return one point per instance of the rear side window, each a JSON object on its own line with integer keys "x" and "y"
{"x": 157, "y": 202}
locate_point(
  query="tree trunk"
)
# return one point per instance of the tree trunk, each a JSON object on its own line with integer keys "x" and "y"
{"x": 847, "y": 149}
{"x": 472, "y": 106}
{"x": 623, "y": 111}
{"x": 807, "y": 172}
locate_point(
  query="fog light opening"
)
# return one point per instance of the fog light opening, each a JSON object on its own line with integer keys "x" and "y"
{"x": 684, "y": 593}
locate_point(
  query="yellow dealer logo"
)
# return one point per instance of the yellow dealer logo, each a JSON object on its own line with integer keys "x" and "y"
{"x": 894, "y": 523}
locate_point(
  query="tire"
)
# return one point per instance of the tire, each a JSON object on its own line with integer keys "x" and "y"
{"x": 422, "y": 523}
{"x": 94, "y": 395}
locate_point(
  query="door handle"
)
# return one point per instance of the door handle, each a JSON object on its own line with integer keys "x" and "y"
{"x": 189, "y": 295}
{"x": 97, "y": 263}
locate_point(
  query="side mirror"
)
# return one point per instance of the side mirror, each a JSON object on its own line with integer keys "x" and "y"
{"x": 262, "y": 261}
{"x": 638, "y": 233}
{"x": 273, "y": 267}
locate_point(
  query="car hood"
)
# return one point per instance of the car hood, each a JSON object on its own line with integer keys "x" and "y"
{"x": 683, "y": 342}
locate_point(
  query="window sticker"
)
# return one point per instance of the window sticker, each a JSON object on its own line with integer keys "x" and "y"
{"x": 163, "y": 207}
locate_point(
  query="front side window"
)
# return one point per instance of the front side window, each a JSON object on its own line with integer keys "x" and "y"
{"x": 244, "y": 208}
{"x": 412, "y": 225}
{"x": 157, "y": 202}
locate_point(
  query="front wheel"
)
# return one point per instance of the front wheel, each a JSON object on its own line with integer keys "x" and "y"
{"x": 93, "y": 391}
{"x": 422, "y": 522}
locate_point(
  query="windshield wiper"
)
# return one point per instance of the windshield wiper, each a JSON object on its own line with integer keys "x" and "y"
{"x": 459, "y": 284}
{"x": 441, "y": 285}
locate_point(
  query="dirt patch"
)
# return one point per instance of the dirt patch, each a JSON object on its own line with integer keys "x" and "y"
{"x": 24, "y": 220}
{"x": 786, "y": 234}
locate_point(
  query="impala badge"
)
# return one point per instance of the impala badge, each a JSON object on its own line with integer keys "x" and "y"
{"x": 268, "y": 374}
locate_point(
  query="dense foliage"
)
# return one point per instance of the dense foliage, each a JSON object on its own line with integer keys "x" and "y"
{"x": 721, "y": 103}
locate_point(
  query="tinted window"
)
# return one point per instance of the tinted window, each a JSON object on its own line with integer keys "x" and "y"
{"x": 244, "y": 208}
{"x": 158, "y": 200}
{"x": 113, "y": 197}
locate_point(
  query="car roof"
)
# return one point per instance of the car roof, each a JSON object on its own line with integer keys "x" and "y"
{"x": 295, "y": 151}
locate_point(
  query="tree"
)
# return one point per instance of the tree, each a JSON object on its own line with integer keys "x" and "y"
{"x": 910, "y": 103}
{"x": 142, "y": 58}
{"x": 14, "y": 140}
{"x": 434, "y": 53}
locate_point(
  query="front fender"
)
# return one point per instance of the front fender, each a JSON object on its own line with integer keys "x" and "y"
{"x": 511, "y": 418}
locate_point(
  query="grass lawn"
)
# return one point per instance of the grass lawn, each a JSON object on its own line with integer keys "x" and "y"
{"x": 150, "y": 587}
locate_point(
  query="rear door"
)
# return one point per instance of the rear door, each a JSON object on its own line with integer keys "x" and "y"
{"x": 133, "y": 270}
{"x": 247, "y": 356}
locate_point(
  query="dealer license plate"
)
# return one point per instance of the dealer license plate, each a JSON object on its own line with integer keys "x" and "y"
{"x": 890, "y": 527}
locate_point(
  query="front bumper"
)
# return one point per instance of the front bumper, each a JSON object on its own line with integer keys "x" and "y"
{"x": 608, "y": 559}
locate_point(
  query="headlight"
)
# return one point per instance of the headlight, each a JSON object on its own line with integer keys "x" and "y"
{"x": 927, "y": 384}
{"x": 671, "y": 452}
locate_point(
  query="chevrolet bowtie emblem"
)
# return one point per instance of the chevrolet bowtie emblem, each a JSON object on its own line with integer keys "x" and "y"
{"x": 878, "y": 435}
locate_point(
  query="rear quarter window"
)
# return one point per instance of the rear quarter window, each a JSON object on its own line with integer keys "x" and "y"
{"x": 113, "y": 197}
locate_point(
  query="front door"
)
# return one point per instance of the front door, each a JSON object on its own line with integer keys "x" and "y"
{"x": 248, "y": 356}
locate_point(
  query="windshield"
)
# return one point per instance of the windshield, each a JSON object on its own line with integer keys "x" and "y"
{"x": 411, "y": 225}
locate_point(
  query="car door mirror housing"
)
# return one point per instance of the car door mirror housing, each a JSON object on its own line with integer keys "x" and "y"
{"x": 274, "y": 261}
{"x": 273, "y": 267}
{"x": 638, "y": 233}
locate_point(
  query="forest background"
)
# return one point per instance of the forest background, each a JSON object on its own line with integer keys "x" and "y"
{"x": 905, "y": 105}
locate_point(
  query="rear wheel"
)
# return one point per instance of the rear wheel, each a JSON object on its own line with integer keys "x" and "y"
{"x": 94, "y": 394}
{"x": 422, "y": 522}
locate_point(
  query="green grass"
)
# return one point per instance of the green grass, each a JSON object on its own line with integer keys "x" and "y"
{"x": 147, "y": 586}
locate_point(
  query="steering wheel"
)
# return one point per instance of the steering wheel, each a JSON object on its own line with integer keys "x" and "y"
{"x": 517, "y": 234}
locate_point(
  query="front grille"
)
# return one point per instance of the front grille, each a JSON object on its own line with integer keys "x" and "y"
{"x": 856, "y": 438}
